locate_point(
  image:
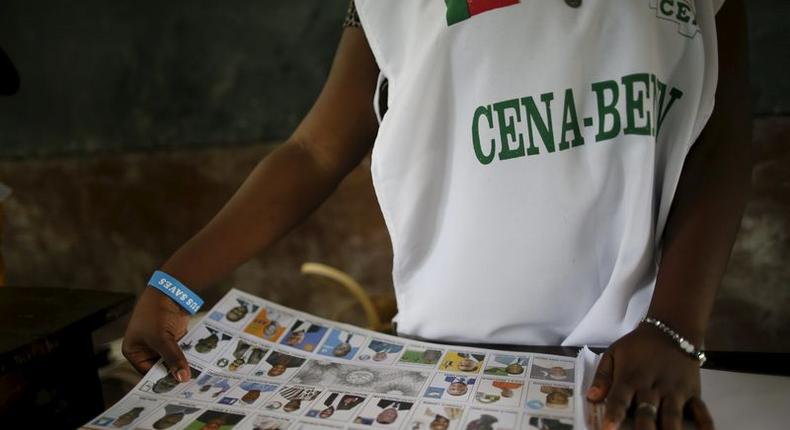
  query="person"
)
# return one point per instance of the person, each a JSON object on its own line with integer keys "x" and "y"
{"x": 575, "y": 158}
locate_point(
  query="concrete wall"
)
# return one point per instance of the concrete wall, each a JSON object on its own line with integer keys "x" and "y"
{"x": 114, "y": 92}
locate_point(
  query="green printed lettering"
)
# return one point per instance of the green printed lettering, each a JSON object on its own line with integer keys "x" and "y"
{"x": 661, "y": 114}
{"x": 635, "y": 102}
{"x": 544, "y": 127}
{"x": 683, "y": 12}
{"x": 570, "y": 122}
{"x": 507, "y": 129}
{"x": 664, "y": 4}
{"x": 484, "y": 112}
{"x": 605, "y": 110}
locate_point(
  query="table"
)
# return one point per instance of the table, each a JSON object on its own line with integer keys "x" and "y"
{"x": 48, "y": 370}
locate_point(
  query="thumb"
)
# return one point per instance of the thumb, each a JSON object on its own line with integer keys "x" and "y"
{"x": 602, "y": 379}
{"x": 174, "y": 358}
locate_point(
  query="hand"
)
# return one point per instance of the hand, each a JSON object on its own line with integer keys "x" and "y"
{"x": 646, "y": 366}
{"x": 156, "y": 326}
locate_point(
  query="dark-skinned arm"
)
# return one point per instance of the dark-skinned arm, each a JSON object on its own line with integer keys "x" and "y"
{"x": 282, "y": 190}
{"x": 646, "y": 367}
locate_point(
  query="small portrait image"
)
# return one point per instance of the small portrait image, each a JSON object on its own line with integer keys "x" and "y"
{"x": 336, "y": 406}
{"x": 209, "y": 387}
{"x": 292, "y": 399}
{"x": 205, "y": 342}
{"x": 500, "y": 392}
{"x": 384, "y": 412}
{"x": 304, "y": 335}
{"x": 269, "y": 324}
{"x": 248, "y": 393}
{"x": 379, "y": 351}
{"x": 316, "y": 426}
{"x": 549, "y": 398}
{"x": 341, "y": 344}
{"x": 127, "y": 413}
{"x": 506, "y": 365}
{"x": 532, "y": 422}
{"x": 234, "y": 311}
{"x": 451, "y": 387}
{"x": 242, "y": 357}
{"x": 215, "y": 420}
{"x": 552, "y": 370}
{"x": 173, "y": 415}
{"x": 436, "y": 416}
{"x": 266, "y": 422}
{"x": 160, "y": 381}
{"x": 279, "y": 365}
{"x": 420, "y": 355}
{"x": 467, "y": 362}
{"x": 490, "y": 419}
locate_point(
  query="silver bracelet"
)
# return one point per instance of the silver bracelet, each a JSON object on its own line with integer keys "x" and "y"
{"x": 684, "y": 344}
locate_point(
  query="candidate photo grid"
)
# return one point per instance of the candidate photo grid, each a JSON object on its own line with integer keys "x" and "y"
{"x": 279, "y": 366}
{"x": 337, "y": 406}
{"x": 249, "y": 393}
{"x": 538, "y": 422}
{"x": 462, "y": 361}
{"x": 210, "y": 387}
{"x": 172, "y": 415}
{"x": 509, "y": 365}
{"x": 214, "y": 418}
{"x": 263, "y": 421}
{"x": 126, "y": 413}
{"x": 269, "y": 323}
{"x": 385, "y": 412}
{"x": 420, "y": 355}
{"x": 242, "y": 356}
{"x": 379, "y": 351}
{"x": 552, "y": 370}
{"x": 234, "y": 312}
{"x": 451, "y": 386}
{"x": 436, "y": 415}
{"x": 205, "y": 342}
{"x": 343, "y": 344}
{"x": 312, "y": 376}
{"x": 293, "y": 399}
{"x": 490, "y": 419}
{"x": 304, "y": 335}
{"x": 499, "y": 392}
{"x": 549, "y": 398}
{"x": 158, "y": 381}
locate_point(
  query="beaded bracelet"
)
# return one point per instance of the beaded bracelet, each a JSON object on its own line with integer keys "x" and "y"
{"x": 176, "y": 291}
{"x": 682, "y": 342}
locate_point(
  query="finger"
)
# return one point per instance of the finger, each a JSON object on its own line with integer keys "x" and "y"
{"x": 671, "y": 413}
{"x": 646, "y": 410}
{"x": 174, "y": 358}
{"x": 602, "y": 379}
{"x": 141, "y": 359}
{"x": 700, "y": 414}
{"x": 617, "y": 403}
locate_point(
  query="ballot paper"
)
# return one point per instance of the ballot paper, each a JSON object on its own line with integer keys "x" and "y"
{"x": 258, "y": 365}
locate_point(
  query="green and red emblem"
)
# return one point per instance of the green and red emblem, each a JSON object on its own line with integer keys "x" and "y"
{"x": 459, "y": 10}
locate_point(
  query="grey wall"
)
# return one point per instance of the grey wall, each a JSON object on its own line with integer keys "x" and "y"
{"x": 128, "y": 75}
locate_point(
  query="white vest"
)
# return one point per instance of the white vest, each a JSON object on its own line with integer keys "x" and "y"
{"x": 521, "y": 170}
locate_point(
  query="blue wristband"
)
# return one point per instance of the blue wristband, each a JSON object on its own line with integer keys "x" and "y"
{"x": 174, "y": 289}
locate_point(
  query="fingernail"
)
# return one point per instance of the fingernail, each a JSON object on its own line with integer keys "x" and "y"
{"x": 182, "y": 375}
{"x": 593, "y": 393}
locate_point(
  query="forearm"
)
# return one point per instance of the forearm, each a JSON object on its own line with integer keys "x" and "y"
{"x": 282, "y": 190}
{"x": 698, "y": 240}
{"x": 711, "y": 194}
